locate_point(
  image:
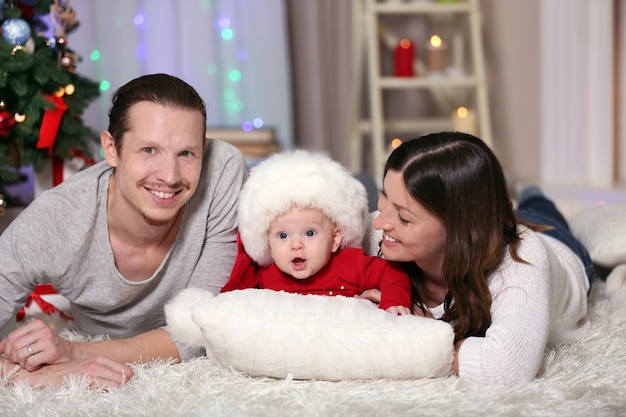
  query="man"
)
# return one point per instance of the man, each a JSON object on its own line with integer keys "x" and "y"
{"x": 119, "y": 239}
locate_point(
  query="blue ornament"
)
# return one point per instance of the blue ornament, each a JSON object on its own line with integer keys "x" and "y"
{"x": 16, "y": 31}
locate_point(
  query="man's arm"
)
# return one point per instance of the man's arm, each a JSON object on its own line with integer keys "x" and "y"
{"x": 151, "y": 345}
{"x": 35, "y": 345}
{"x": 103, "y": 362}
{"x": 101, "y": 371}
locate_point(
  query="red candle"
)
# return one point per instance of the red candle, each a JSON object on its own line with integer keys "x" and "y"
{"x": 403, "y": 59}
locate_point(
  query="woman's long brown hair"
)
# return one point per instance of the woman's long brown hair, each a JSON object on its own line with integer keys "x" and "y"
{"x": 459, "y": 180}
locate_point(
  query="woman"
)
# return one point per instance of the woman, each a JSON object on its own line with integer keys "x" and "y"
{"x": 508, "y": 290}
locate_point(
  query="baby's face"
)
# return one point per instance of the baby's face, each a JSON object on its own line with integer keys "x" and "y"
{"x": 302, "y": 240}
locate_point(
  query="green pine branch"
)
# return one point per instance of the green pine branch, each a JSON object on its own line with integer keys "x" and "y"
{"x": 25, "y": 78}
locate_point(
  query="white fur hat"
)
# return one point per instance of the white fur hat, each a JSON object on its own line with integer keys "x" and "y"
{"x": 303, "y": 179}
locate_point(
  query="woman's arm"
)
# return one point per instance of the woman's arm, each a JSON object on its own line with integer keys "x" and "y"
{"x": 455, "y": 363}
{"x": 512, "y": 349}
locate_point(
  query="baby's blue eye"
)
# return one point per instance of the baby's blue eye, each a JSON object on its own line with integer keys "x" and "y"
{"x": 310, "y": 233}
{"x": 282, "y": 235}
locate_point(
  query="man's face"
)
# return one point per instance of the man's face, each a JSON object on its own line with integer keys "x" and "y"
{"x": 159, "y": 166}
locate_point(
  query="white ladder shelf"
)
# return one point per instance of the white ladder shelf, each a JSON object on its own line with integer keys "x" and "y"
{"x": 369, "y": 33}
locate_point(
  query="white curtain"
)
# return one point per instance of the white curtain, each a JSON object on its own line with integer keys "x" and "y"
{"x": 234, "y": 52}
{"x": 321, "y": 51}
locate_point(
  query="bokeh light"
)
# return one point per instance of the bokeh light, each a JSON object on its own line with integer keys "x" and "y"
{"x": 227, "y": 34}
{"x": 223, "y": 23}
{"x": 234, "y": 75}
{"x": 435, "y": 41}
{"x": 70, "y": 89}
{"x": 234, "y": 106}
{"x": 229, "y": 94}
{"x": 139, "y": 19}
{"x": 257, "y": 122}
{"x": 141, "y": 52}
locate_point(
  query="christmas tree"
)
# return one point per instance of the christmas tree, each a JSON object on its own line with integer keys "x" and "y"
{"x": 42, "y": 98}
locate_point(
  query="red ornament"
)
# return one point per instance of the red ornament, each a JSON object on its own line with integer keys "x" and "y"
{"x": 26, "y": 10}
{"x": 6, "y": 122}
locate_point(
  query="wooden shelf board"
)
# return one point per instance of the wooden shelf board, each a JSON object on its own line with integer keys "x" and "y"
{"x": 427, "y": 82}
{"x": 420, "y": 8}
{"x": 430, "y": 124}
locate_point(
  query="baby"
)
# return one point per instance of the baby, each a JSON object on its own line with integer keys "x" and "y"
{"x": 302, "y": 218}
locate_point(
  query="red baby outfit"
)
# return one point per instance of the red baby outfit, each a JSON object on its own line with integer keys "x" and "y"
{"x": 349, "y": 272}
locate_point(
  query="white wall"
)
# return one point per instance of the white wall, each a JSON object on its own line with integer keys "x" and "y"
{"x": 512, "y": 50}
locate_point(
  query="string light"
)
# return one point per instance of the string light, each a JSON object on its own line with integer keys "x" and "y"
{"x": 225, "y": 28}
{"x": 435, "y": 41}
{"x": 70, "y": 89}
{"x": 395, "y": 143}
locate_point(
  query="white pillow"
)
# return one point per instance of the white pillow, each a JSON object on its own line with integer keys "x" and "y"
{"x": 602, "y": 230}
{"x": 277, "y": 334}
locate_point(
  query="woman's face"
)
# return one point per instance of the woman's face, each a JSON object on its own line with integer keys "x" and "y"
{"x": 410, "y": 232}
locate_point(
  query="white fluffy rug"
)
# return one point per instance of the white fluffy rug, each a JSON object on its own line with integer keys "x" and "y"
{"x": 583, "y": 379}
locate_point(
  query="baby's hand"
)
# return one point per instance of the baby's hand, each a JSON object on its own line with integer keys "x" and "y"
{"x": 372, "y": 294}
{"x": 398, "y": 310}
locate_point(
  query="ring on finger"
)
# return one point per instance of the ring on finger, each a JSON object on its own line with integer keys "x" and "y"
{"x": 30, "y": 349}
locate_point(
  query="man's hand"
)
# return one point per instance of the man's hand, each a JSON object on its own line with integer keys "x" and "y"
{"x": 34, "y": 345}
{"x": 101, "y": 372}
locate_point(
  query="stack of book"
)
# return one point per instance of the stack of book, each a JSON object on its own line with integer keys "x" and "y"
{"x": 256, "y": 144}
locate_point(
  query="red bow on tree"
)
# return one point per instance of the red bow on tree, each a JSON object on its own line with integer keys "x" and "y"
{"x": 50, "y": 123}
